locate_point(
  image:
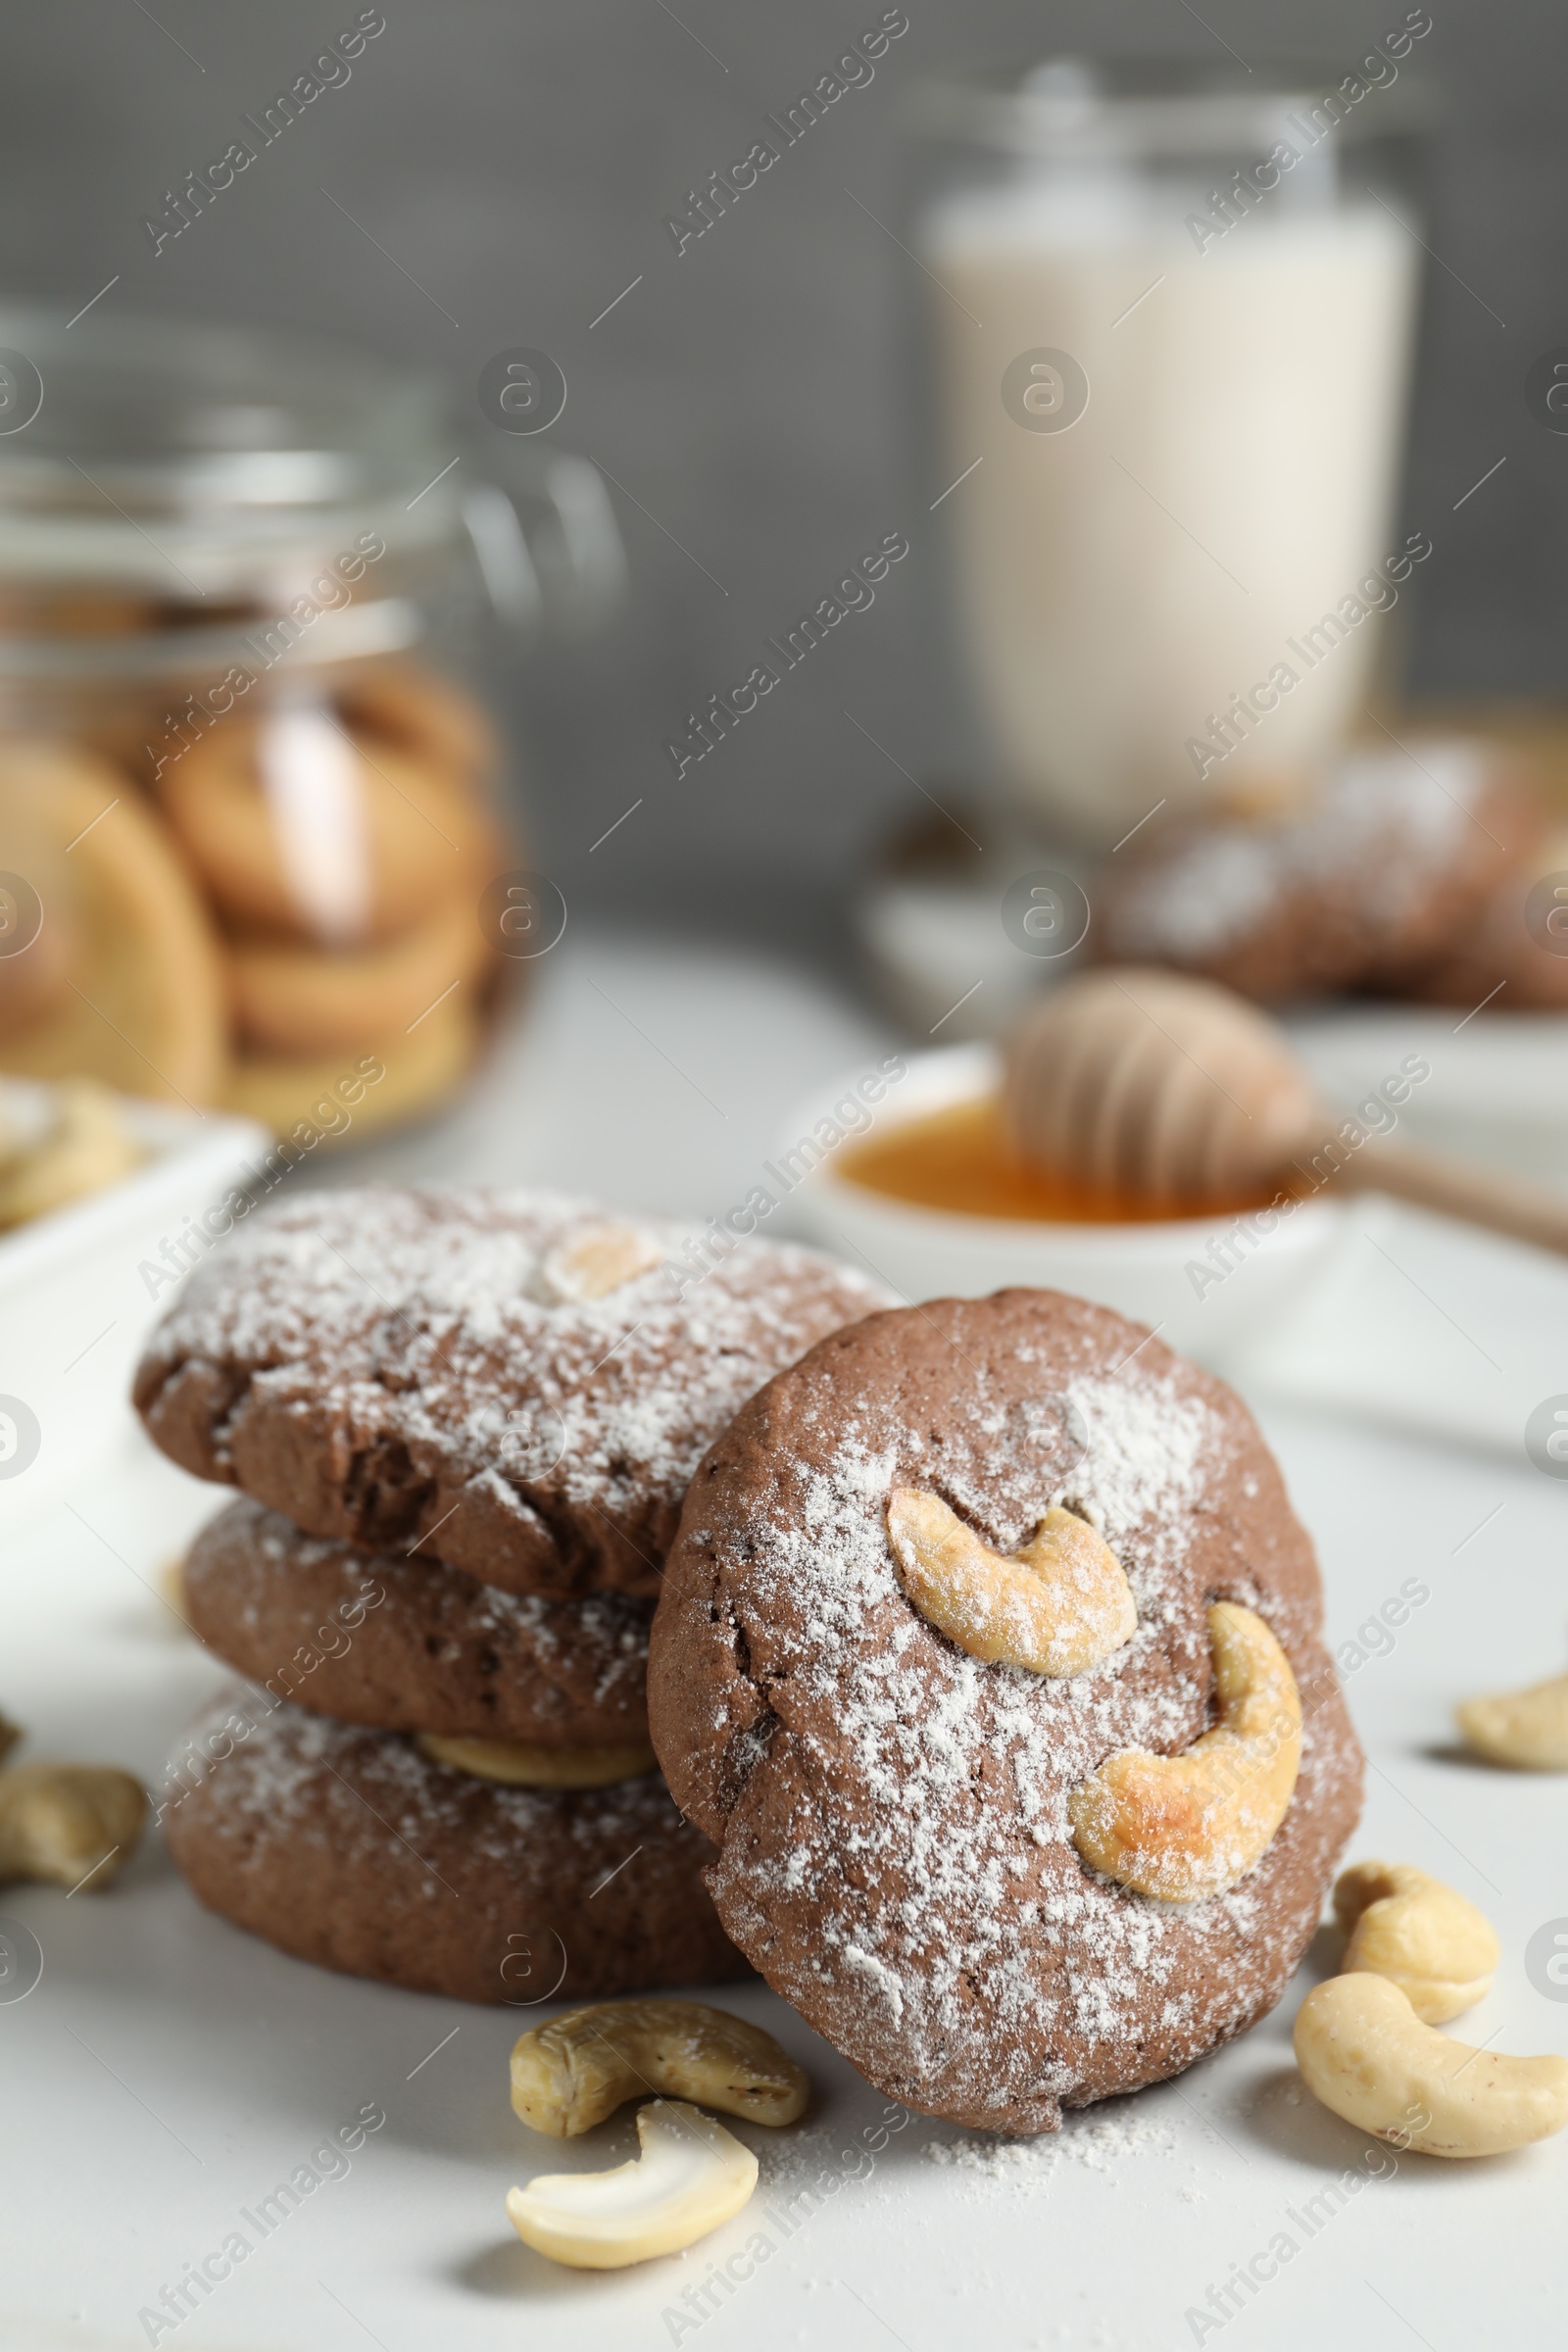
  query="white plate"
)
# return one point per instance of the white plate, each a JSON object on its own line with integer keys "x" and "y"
{"x": 81, "y": 1288}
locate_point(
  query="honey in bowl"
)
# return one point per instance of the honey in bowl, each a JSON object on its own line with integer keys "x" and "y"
{"x": 962, "y": 1159}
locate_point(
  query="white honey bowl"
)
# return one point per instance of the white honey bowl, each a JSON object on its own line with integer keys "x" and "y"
{"x": 1143, "y": 1270}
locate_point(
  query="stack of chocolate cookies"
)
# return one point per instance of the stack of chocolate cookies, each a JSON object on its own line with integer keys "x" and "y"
{"x": 463, "y": 1425}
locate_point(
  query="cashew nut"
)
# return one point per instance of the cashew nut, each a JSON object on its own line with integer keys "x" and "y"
{"x": 1364, "y": 2052}
{"x": 88, "y": 1147}
{"x": 523, "y": 1765}
{"x": 568, "y": 2075}
{"x": 1058, "y": 1606}
{"x": 1524, "y": 1728}
{"x": 1439, "y": 1950}
{"x": 1191, "y": 1825}
{"x": 598, "y": 1260}
{"x": 169, "y": 1583}
{"x": 70, "y": 1824}
{"x": 691, "y": 2176}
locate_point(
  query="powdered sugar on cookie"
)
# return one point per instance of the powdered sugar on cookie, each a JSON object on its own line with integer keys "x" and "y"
{"x": 401, "y": 1367}
{"x": 896, "y": 1854}
{"x": 1378, "y": 832}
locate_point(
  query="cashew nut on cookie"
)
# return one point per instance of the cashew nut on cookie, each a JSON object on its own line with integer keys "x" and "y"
{"x": 1058, "y": 1606}
{"x": 524, "y": 1764}
{"x": 598, "y": 1260}
{"x": 1191, "y": 1825}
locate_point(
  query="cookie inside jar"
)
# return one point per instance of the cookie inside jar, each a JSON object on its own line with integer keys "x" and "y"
{"x": 256, "y": 808}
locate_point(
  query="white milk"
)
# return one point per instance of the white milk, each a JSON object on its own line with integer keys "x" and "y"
{"x": 1230, "y": 481}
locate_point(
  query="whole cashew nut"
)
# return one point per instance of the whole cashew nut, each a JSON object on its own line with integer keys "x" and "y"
{"x": 691, "y": 2176}
{"x": 1437, "y": 1948}
{"x": 1191, "y": 1825}
{"x": 1058, "y": 1606}
{"x": 568, "y": 2075}
{"x": 1364, "y": 2052}
{"x": 68, "y": 1824}
{"x": 1528, "y": 1729}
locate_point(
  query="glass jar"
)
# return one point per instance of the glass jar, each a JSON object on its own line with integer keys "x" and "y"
{"x": 1170, "y": 309}
{"x": 251, "y": 802}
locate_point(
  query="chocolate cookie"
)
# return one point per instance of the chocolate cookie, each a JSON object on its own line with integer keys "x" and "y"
{"x": 516, "y": 1383}
{"x": 1515, "y": 955}
{"x": 897, "y": 1845}
{"x": 348, "y": 1848}
{"x": 1393, "y": 859}
{"x": 407, "y": 1646}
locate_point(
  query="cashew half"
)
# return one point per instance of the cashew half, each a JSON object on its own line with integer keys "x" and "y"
{"x": 1364, "y": 2052}
{"x": 522, "y": 1765}
{"x": 568, "y": 2075}
{"x": 598, "y": 1260}
{"x": 68, "y": 1824}
{"x": 169, "y": 1583}
{"x": 1058, "y": 1607}
{"x": 691, "y": 2176}
{"x": 1188, "y": 1826}
{"x": 1528, "y": 1727}
{"x": 1437, "y": 1948}
{"x": 88, "y": 1147}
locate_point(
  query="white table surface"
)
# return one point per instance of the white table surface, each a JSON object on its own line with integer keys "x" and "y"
{"x": 167, "y": 2070}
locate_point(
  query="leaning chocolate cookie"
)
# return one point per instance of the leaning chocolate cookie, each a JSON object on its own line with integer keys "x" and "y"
{"x": 404, "y": 1645}
{"x": 350, "y": 1849}
{"x": 518, "y": 1384}
{"x": 1514, "y": 958}
{"x": 989, "y": 1656}
{"x": 1387, "y": 865}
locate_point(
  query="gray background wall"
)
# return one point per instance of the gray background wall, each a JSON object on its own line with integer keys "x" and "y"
{"x": 518, "y": 160}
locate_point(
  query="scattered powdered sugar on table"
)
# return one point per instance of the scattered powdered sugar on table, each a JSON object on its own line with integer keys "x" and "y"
{"x": 1100, "y": 2141}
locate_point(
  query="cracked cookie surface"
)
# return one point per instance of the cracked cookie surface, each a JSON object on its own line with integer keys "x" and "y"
{"x": 399, "y": 1368}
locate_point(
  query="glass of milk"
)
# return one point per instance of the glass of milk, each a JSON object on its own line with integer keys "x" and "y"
{"x": 1172, "y": 314}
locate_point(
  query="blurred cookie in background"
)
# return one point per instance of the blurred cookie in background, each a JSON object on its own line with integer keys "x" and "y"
{"x": 40, "y": 944}
{"x": 301, "y": 1000}
{"x": 396, "y": 1076}
{"x": 1365, "y": 884}
{"x": 425, "y": 718}
{"x": 294, "y": 823}
{"x": 137, "y": 997}
{"x": 1515, "y": 956}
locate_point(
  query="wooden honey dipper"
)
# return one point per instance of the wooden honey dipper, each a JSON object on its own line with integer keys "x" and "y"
{"x": 1149, "y": 1083}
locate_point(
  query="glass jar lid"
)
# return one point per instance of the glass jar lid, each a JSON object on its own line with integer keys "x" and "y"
{"x": 204, "y": 462}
